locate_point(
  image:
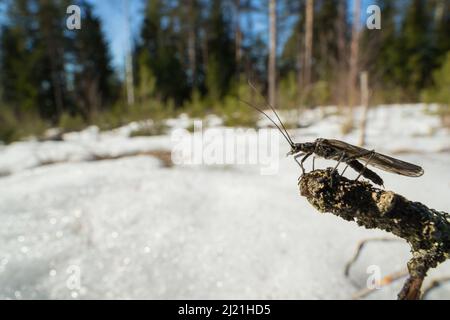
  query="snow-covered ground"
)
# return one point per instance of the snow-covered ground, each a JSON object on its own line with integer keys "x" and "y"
{"x": 133, "y": 228}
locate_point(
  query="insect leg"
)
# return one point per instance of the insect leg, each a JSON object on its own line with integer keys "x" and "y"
{"x": 365, "y": 166}
{"x": 337, "y": 165}
{"x": 305, "y": 157}
{"x": 342, "y": 173}
{"x": 298, "y": 162}
{"x": 303, "y": 160}
{"x": 340, "y": 160}
{"x": 315, "y": 152}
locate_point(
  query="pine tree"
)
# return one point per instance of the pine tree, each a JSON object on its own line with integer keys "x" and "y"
{"x": 441, "y": 30}
{"x": 292, "y": 55}
{"x": 18, "y": 59}
{"x": 160, "y": 41}
{"x": 416, "y": 49}
{"x": 220, "y": 65}
{"x": 94, "y": 83}
{"x": 191, "y": 18}
{"x": 380, "y": 47}
{"x": 325, "y": 51}
{"x": 51, "y": 43}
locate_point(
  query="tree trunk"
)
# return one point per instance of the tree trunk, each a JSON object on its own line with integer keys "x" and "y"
{"x": 300, "y": 62}
{"x": 238, "y": 36}
{"x": 354, "y": 54}
{"x": 204, "y": 44}
{"x": 308, "y": 42}
{"x": 249, "y": 23}
{"x": 365, "y": 104}
{"x": 52, "y": 52}
{"x": 192, "y": 40}
{"x": 342, "y": 68}
{"x": 129, "y": 58}
{"x": 272, "y": 51}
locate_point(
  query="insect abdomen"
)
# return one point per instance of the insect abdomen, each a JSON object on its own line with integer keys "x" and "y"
{"x": 367, "y": 173}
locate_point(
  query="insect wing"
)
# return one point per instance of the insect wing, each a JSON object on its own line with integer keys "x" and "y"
{"x": 378, "y": 160}
{"x": 390, "y": 164}
{"x": 348, "y": 148}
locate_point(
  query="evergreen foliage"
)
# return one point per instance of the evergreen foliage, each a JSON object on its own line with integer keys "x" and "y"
{"x": 186, "y": 59}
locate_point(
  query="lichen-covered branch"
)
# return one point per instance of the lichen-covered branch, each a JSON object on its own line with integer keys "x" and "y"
{"x": 426, "y": 230}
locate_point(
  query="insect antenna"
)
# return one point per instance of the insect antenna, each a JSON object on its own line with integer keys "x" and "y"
{"x": 270, "y": 119}
{"x": 272, "y": 108}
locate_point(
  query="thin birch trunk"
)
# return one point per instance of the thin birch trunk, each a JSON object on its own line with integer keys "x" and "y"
{"x": 272, "y": 51}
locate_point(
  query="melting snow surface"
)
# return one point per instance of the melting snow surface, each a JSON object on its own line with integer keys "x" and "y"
{"x": 130, "y": 228}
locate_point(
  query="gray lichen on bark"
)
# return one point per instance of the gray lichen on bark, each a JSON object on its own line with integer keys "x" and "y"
{"x": 426, "y": 230}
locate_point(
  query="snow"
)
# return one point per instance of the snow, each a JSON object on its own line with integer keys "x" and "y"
{"x": 132, "y": 228}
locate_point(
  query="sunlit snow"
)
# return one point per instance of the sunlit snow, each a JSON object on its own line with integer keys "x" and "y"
{"x": 132, "y": 228}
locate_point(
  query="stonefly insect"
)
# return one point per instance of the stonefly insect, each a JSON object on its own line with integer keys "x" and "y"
{"x": 342, "y": 152}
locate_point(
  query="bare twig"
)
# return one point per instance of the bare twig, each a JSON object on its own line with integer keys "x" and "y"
{"x": 387, "y": 280}
{"x": 359, "y": 249}
{"x": 426, "y": 230}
